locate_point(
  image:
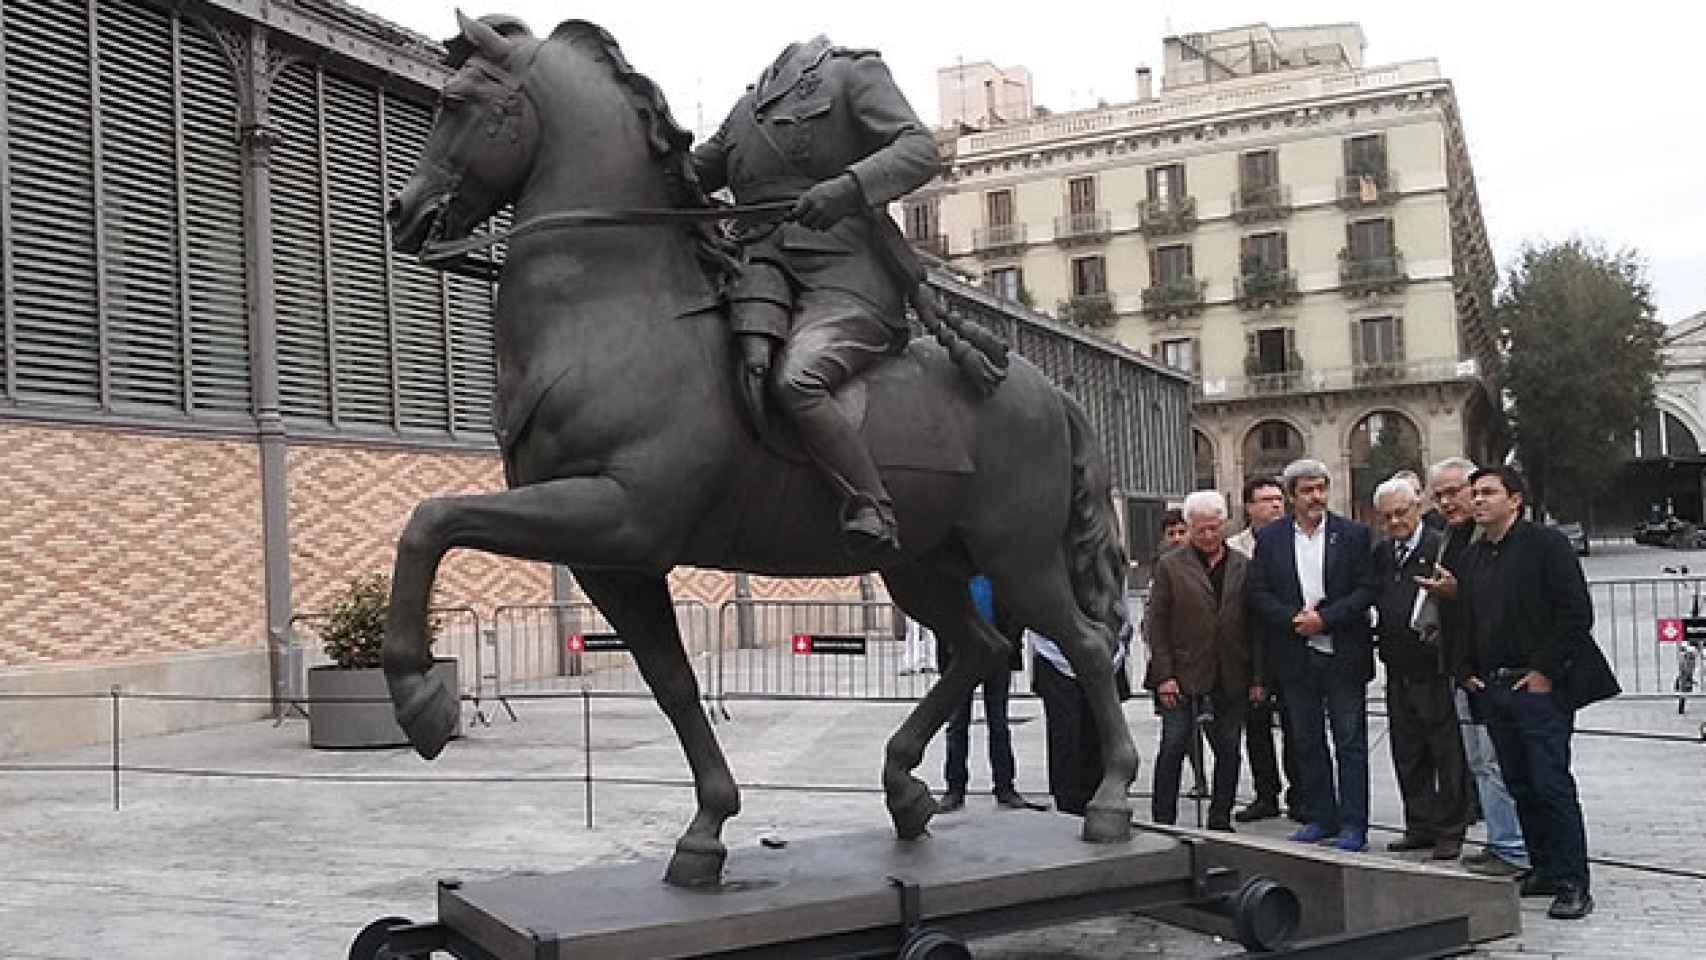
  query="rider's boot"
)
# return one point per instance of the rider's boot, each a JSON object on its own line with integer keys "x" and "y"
{"x": 867, "y": 521}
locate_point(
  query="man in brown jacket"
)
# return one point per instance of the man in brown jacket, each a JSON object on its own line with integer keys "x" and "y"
{"x": 1200, "y": 664}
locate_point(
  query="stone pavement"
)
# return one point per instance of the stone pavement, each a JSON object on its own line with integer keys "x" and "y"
{"x": 272, "y": 863}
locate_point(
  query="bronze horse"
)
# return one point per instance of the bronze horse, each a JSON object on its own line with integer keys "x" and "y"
{"x": 627, "y": 453}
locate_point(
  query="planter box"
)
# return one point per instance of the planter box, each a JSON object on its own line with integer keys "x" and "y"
{"x": 355, "y": 724}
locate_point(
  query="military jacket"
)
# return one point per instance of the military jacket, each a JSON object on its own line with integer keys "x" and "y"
{"x": 820, "y": 111}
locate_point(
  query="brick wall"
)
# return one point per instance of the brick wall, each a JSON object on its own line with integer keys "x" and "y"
{"x": 117, "y": 545}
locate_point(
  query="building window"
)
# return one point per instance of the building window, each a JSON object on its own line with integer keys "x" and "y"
{"x": 1271, "y": 350}
{"x": 1263, "y": 253}
{"x": 1269, "y": 446}
{"x": 1089, "y": 276}
{"x": 1004, "y": 282}
{"x": 1379, "y": 340}
{"x": 921, "y": 219}
{"x": 1365, "y": 156}
{"x": 998, "y": 208}
{"x": 1170, "y": 264}
{"x": 1203, "y": 459}
{"x": 1369, "y": 239}
{"x": 1382, "y": 443}
{"x": 1167, "y": 184}
{"x": 1180, "y": 354}
{"x": 1258, "y": 170}
{"x": 1081, "y": 196}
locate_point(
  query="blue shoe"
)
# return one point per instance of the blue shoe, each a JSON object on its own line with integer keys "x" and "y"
{"x": 1352, "y": 841}
{"x": 1311, "y": 833}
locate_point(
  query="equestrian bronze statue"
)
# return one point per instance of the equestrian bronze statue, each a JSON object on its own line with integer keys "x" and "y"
{"x": 628, "y": 330}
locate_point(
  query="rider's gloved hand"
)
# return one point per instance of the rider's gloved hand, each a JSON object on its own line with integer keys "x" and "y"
{"x": 829, "y": 202}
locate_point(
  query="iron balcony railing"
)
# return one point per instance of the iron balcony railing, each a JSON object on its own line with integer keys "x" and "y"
{"x": 936, "y": 245}
{"x": 1000, "y": 238}
{"x": 1362, "y": 275}
{"x": 1181, "y": 296}
{"x": 1266, "y": 288}
{"x": 1331, "y": 379}
{"x": 1371, "y": 188}
{"x": 1267, "y": 202}
{"x": 1087, "y": 310}
{"x": 1082, "y": 227}
{"x": 1167, "y": 216}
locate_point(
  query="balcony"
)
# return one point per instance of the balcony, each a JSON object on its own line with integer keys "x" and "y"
{"x": 1180, "y": 297}
{"x": 1335, "y": 379}
{"x": 1094, "y": 310}
{"x": 1089, "y": 227}
{"x": 1374, "y": 188}
{"x": 1359, "y": 276}
{"x": 1266, "y": 288}
{"x": 1000, "y": 239}
{"x": 1256, "y": 204}
{"x": 935, "y": 245}
{"x": 1167, "y": 217}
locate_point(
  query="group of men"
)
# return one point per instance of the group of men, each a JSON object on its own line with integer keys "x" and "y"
{"x": 1481, "y": 618}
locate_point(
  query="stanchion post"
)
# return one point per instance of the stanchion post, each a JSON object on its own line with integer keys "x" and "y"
{"x": 116, "y": 757}
{"x": 586, "y": 748}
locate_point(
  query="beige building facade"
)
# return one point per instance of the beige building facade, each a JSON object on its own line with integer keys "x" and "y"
{"x": 1298, "y": 230}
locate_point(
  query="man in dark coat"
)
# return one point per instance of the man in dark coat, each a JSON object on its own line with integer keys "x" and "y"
{"x": 1311, "y": 584}
{"x": 1531, "y": 661}
{"x": 1427, "y": 752}
{"x": 1200, "y": 665}
{"x": 826, "y": 127}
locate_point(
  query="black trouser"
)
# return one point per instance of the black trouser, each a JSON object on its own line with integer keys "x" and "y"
{"x": 1531, "y": 735}
{"x": 1178, "y": 737}
{"x": 1427, "y": 756}
{"x": 1259, "y": 741}
{"x": 995, "y": 688}
{"x": 1074, "y": 746}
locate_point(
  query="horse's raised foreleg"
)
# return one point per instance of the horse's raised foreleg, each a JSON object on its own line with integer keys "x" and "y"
{"x": 638, "y": 606}
{"x": 942, "y": 603}
{"x": 561, "y": 521}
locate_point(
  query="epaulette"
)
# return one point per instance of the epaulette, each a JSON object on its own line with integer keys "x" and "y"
{"x": 854, "y": 53}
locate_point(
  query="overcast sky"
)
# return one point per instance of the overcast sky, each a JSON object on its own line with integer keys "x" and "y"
{"x": 1577, "y": 125}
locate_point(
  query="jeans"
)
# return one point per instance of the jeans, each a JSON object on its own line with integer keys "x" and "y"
{"x": 995, "y": 687}
{"x": 1178, "y": 737}
{"x": 1531, "y": 734}
{"x": 1504, "y": 830}
{"x": 1324, "y": 693}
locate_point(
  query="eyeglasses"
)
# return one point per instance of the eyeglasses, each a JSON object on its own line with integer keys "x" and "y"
{"x": 1442, "y": 493}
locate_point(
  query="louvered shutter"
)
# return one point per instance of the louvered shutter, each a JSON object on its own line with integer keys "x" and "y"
{"x": 417, "y": 297}
{"x": 1356, "y": 343}
{"x": 213, "y": 230}
{"x": 299, "y": 255}
{"x": 1397, "y": 339}
{"x": 56, "y": 323}
{"x": 1284, "y": 254}
{"x": 146, "y": 306}
{"x": 360, "y": 325}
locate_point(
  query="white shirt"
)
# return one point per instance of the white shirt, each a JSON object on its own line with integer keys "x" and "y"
{"x": 1042, "y": 646}
{"x": 1310, "y": 552}
{"x": 1244, "y": 542}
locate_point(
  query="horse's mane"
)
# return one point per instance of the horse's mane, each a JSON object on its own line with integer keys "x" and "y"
{"x": 670, "y": 143}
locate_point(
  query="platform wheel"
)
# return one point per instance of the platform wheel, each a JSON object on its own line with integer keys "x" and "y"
{"x": 371, "y": 942}
{"x": 926, "y": 943}
{"x": 1265, "y": 914}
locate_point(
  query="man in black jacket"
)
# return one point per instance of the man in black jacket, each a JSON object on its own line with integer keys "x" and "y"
{"x": 1531, "y": 661}
{"x": 1427, "y": 754}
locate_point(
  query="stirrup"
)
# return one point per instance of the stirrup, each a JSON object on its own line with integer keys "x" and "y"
{"x": 871, "y": 522}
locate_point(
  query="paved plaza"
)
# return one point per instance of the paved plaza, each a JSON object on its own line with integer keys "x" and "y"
{"x": 288, "y": 851}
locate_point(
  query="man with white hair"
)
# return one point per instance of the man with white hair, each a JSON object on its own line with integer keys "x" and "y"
{"x": 1311, "y": 584}
{"x": 1427, "y": 753}
{"x": 1200, "y": 665}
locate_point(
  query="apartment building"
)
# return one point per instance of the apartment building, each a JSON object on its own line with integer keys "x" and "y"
{"x": 1297, "y": 229}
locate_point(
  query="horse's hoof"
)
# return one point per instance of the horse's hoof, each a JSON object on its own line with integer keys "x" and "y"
{"x": 1107, "y": 824}
{"x": 912, "y": 810}
{"x": 428, "y": 714}
{"x": 698, "y": 862}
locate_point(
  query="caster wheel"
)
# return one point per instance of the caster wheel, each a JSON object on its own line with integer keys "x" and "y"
{"x": 1265, "y": 914}
{"x": 924, "y": 943}
{"x": 370, "y": 943}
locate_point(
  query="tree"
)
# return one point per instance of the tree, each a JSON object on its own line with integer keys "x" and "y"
{"x": 1581, "y": 341}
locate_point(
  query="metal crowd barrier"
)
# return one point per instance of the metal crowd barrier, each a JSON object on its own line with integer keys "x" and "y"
{"x": 563, "y": 646}
{"x": 1638, "y": 623}
{"x": 832, "y": 649}
{"x": 458, "y": 634}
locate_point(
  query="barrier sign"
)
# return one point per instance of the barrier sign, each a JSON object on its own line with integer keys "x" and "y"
{"x": 595, "y": 642}
{"x": 1683, "y": 629}
{"x": 838, "y": 644}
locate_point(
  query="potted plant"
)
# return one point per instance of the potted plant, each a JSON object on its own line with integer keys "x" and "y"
{"x": 349, "y": 703}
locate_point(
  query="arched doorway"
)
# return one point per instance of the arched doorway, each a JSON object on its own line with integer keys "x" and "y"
{"x": 1269, "y": 446}
{"x": 1202, "y": 451}
{"x": 1382, "y": 443}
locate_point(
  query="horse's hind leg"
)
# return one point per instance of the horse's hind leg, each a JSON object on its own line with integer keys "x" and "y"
{"x": 638, "y": 606}
{"x": 942, "y": 603}
{"x": 1041, "y": 595}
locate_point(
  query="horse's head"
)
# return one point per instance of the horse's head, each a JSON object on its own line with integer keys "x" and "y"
{"x": 482, "y": 145}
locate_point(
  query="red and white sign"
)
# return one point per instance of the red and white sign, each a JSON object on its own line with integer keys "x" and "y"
{"x": 1670, "y": 630}
{"x": 802, "y": 643}
{"x": 577, "y": 643}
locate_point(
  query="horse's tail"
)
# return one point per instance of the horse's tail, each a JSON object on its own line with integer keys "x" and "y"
{"x": 980, "y": 355}
{"x": 1094, "y": 555}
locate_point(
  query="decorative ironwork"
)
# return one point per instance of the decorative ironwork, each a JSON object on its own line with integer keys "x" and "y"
{"x": 1359, "y": 276}
{"x": 1180, "y": 297}
{"x": 1372, "y": 188}
{"x": 1168, "y": 216}
{"x": 998, "y": 239}
{"x": 1094, "y": 310}
{"x": 1087, "y": 227}
{"x": 1266, "y": 288}
{"x": 1256, "y": 204}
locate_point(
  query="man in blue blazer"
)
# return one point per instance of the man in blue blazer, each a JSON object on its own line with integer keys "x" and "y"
{"x": 1311, "y": 582}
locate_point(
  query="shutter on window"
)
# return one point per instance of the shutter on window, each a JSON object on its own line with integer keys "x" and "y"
{"x": 1356, "y": 343}
{"x": 1154, "y": 268}
{"x": 52, "y": 200}
{"x": 145, "y": 319}
{"x": 299, "y": 261}
{"x": 1284, "y": 255}
{"x": 416, "y": 298}
{"x": 1350, "y": 156}
{"x": 1149, "y": 177}
{"x": 1290, "y": 348}
{"x": 1251, "y": 351}
{"x": 1398, "y": 339}
{"x": 361, "y": 329}
{"x": 213, "y": 230}
{"x": 1190, "y": 261}
{"x": 1196, "y": 356}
